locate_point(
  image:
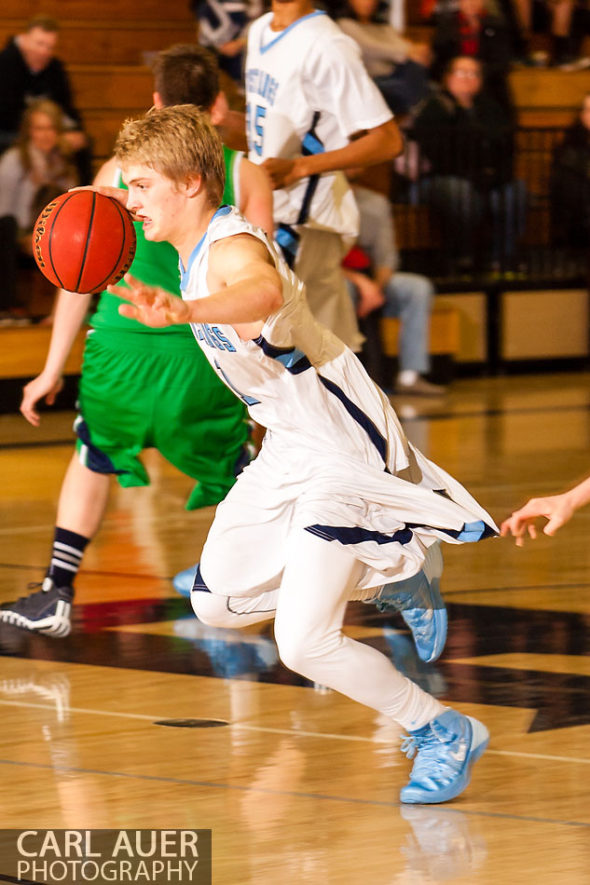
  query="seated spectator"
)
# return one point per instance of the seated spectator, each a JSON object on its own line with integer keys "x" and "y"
{"x": 34, "y": 171}
{"x": 472, "y": 31}
{"x": 398, "y": 66}
{"x": 405, "y": 295}
{"x": 565, "y": 22}
{"x": 466, "y": 138}
{"x": 29, "y": 70}
{"x": 570, "y": 184}
{"x": 222, "y": 27}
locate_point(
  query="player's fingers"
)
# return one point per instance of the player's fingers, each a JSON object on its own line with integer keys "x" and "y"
{"x": 30, "y": 414}
{"x": 129, "y": 311}
{"x": 532, "y": 530}
{"x": 554, "y": 523}
{"x": 116, "y": 193}
{"x": 133, "y": 282}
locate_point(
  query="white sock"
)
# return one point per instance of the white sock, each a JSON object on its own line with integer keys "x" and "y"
{"x": 407, "y": 377}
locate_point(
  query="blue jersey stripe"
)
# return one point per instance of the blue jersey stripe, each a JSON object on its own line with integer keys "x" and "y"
{"x": 471, "y": 531}
{"x": 359, "y": 416}
{"x": 283, "y": 33}
{"x": 291, "y": 358}
{"x": 357, "y": 535}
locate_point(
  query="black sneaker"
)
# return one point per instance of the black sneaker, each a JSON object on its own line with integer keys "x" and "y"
{"x": 46, "y": 611}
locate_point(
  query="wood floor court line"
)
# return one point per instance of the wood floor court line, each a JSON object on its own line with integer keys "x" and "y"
{"x": 293, "y": 732}
{"x": 353, "y": 800}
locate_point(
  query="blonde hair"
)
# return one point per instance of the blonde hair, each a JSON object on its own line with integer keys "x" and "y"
{"x": 177, "y": 142}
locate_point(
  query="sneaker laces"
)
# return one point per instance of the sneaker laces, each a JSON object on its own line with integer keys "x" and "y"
{"x": 32, "y": 596}
{"x": 400, "y": 600}
{"x": 411, "y": 743}
{"x": 429, "y": 761}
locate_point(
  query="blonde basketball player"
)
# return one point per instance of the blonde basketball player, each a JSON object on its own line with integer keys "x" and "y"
{"x": 338, "y": 502}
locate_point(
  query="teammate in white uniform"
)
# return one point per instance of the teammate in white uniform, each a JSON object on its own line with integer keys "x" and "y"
{"x": 307, "y": 95}
{"x": 338, "y": 501}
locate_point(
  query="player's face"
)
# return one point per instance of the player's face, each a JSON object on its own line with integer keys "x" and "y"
{"x": 156, "y": 200}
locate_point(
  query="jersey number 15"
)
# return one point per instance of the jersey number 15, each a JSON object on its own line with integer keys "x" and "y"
{"x": 255, "y": 127}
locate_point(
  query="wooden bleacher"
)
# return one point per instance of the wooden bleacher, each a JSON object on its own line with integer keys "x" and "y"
{"x": 23, "y": 352}
{"x": 106, "y": 46}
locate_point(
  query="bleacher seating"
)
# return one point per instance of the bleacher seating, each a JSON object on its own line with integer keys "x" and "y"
{"x": 107, "y": 47}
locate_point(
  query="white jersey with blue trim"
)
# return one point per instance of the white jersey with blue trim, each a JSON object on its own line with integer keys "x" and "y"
{"x": 307, "y": 91}
{"x": 328, "y": 424}
{"x": 297, "y": 379}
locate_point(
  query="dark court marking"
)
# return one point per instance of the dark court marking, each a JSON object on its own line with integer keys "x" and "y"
{"x": 559, "y": 700}
{"x": 192, "y": 723}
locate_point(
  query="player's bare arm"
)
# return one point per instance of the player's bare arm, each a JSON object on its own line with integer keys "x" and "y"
{"x": 556, "y": 509}
{"x": 248, "y": 290}
{"x": 375, "y": 146}
{"x": 256, "y": 196}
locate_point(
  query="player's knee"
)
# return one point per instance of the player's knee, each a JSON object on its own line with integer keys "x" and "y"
{"x": 300, "y": 649}
{"x": 209, "y": 609}
{"x": 218, "y": 574}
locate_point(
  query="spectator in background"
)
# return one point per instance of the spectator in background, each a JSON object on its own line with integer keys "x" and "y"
{"x": 570, "y": 184}
{"x": 36, "y": 169}
{"x": 405, "y": 295}
{"x": 466, "y": 138}
{"x": 398, "y": 66}
{"x": 29, "y": 70}
{"x": 222, "y": 27}
{"x": 472, "y": 31}
{"x": 564, "y": 20}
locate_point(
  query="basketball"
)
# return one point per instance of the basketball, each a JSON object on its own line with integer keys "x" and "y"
{"x": 83, "y": 241}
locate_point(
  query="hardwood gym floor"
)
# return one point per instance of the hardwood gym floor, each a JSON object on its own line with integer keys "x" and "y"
{"x": 300, "y": 785}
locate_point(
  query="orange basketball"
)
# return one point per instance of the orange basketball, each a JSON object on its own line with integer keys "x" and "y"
{"x": 84, "y": 241}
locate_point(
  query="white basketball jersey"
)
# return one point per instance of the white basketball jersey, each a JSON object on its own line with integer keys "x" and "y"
{"x": 307, "y": 91}
{"x": 351, "y": 462}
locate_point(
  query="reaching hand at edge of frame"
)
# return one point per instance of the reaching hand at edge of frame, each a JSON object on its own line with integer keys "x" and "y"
{"x": 150, "y": 305}
{"x": 556, "y": 509}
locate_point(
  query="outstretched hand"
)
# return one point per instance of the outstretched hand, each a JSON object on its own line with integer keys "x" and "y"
{"x": 557, "y": 509}
{"x": 150, "y": 305}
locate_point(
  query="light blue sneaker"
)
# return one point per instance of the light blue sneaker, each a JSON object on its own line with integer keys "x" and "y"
{"x": 183, "y": 581}
{"x": 421, "y": 606}
{"x": 445, "y": 750}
